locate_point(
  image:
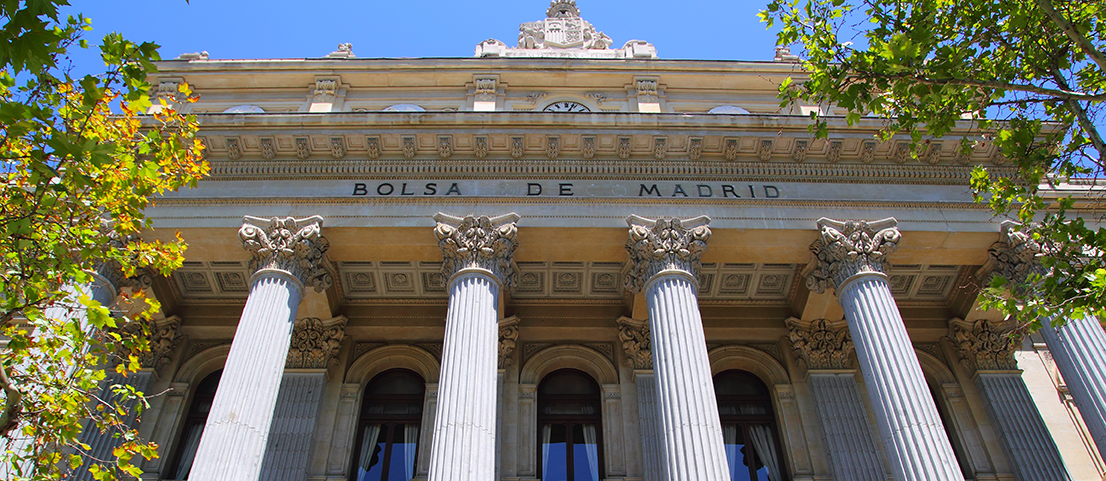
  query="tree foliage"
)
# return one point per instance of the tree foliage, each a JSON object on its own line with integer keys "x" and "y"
{"x": 1029, "y": 76}
{"x": 80, "y": 161}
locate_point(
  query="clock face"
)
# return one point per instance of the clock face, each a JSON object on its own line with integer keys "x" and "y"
{"x": 566, "y": 107}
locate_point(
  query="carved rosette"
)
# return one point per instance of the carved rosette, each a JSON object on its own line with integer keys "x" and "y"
{"x": 985, "y": 345}
{"x": 821, "y": 344}
{"x": 1015, "y": 255}
{"x": 508, "y": 340}
{"x": 315, "y": 343}
{"x": 295, "y": 246}
{"x": 850, "y": 248}
{"x": 637, "y": 343}
{"x": 664, "y": 244}
{"x": 479, "y": 242}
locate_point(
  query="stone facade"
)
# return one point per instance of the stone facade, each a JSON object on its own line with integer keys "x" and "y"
{"x": 650, "y": 225}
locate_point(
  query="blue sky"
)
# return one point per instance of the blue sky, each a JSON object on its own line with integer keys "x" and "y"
{"x": 698, "y": 29}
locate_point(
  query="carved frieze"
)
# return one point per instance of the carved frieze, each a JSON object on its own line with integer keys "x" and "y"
{"x": 517, "y": 147}
{"x": 372, "y": 147}
{"x": 325, "y": 90}
{"x": 303, "y": 151}
{"x": 1014, "y": 256}
{"x": 481, "y": 242}
{"x": 234, "y": 151}
{"x": 409, "y": 148}
{"x": 508, "y": 340}
{"x": 480, "y": 146}
{"x": 868, "y": 152}
{"x": 624, "y": 148}
{"x": 338, "y": 147}
{"x": 597, "y": 97}
{"x": 765, "y": 151}
{"x": 315, "y": 343}
{"x": 983, "y": 345}
{"x": 296, "y": 246}
{"x": 933, "y": 155}
{"x": 799, "y": 154}
{"x": 660, "y": 147}
{"x": 647, "y": 91}
{"x": 637, "y": 343}
{"x": 268, "y": 152}
{"x": 486, "y": 89}
{"x": 445, "y": 146}
{"x": 834, "y": 154}
{"x": 663, "y": 244}
{"x": 552, "y": 147}
{"x": 849, "y": 248}
{"x": 821, "y": 343}
{"x": 731, "y": 149}
{"x": 695, "y": 148}
{"x": 901, "y": 153}
{"x": 587, "y": 149}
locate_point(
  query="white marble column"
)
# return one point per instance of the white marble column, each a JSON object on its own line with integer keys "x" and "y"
{"x": 851, "y": 257}
{"x": 478, "y": 262}
{"x": 664, "y": 260}
{"x": 1078, "y": 347}
{"x": 824, "y": 348}
{"x": 287, "y": 255}
{"x": 636, "y": 342}
{"x": 987, "y": 350}
{"x": 314, "y": 347}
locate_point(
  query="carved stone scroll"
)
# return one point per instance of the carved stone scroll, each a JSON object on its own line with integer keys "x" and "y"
{"x": 635, "y": 338}
{"x": 985, "y": 345}
{"x": 850, "y": 248}
{"x": 508, "y": 340}
{"x": 315, "y": 343}
{"x": 821, "y": 343}
{"x": 481, "y": 242}
{"x": 296, "y": 246}
{"x": 663, "y": 244}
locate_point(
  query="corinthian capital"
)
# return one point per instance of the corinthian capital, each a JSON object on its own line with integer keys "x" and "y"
{"x": 315, "y": 343}
{"x": 821, "y": 344}
{"x": 636, "y": 341}
{"x": 850, "y": 248}
{"x": 1014, "y": 256}
{"x": 508, "y": 339}
{"x": 985, "y": 345}
{"x": 296, "y": 246}
{"x": 479, "y": 242}
{"x": 664, "y": 244}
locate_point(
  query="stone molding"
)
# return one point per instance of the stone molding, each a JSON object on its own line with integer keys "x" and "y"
{"x": 985, "y": 345}
{"x": 508, "y": 340}
{"x": 1015, "y": 256}
{"x": 479, "y": 242}
{"x": 821, "y": 343}
{"x": 849, "y": 248}
{"x": 315, "y": 343}
{"x": 664, "y": 244}
{"x": 636, "y": 342}
{"x": 295, "y": 246}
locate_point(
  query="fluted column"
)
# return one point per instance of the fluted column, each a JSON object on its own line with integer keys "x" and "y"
{"x": 478, "y": 254}
{"x": 824, "y": 348}
{"x": 287, "y": 254}
{"x": 664, "y": 257}
{"x": 314, "y": 347}
{"x": 636, "y": 342}
{"x": 1078, "y": 347}
{"x": 987, "y": 351}
{"x": 851, "y": 257}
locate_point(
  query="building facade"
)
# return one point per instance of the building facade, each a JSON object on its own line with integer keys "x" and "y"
{"x": 567, "y": 261}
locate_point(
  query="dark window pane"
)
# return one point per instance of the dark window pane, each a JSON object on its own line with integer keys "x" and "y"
{"x": 734, "y": 439}
{"x": 554, "y": 455}
{"x": 396, "y": 382}
{"x": 568, "y": 383}
{"x": 739, "y": 383}
{"x": 404, "y": 441}
{"x": 585, "y": 453}
{"x": 371, "y": 459}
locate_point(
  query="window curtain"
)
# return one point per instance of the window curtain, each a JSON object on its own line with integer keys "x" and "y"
{"x": 765, "y": 446}
{"x": 410, "y": 441}
{"x": 188, "y": 451}
{"x": 592, "y": 448}
{"x": 729, "y": 437}
{"x": 546, "y": 436}
{"x": 368, "y": 446}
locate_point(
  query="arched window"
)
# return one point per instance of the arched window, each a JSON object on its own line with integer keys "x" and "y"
{"x": 194, "y": 423}
{"x": 388, "y": 432}
{"x": 748, "y": 427}
{"x": 570, "y": 425}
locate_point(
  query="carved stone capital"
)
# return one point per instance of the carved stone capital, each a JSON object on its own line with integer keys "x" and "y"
{"x": 1014, "y": 256}
{"x": 850, "y": 248}
{"x": 479, "y": 242}
{"x": 508, "y": 339}
{"x": 637, "y": 343}
{"x": 821, "y": 343}
{"x": 315, "y": 343}
{"x": 985, "y": 345}
{"x": 162, "y": 337}
{"x": 664, "y": 244}
{"x": 296, "y": 246}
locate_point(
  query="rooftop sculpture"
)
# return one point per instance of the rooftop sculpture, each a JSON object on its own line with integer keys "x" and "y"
{"x": 564, "y": 34}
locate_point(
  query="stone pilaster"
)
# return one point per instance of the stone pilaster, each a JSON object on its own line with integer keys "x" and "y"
{"x": 664, "y": 265}
{"x": 987, "y": 351}
{"x": 823, "y": 347}
{"x": 286, "y": 255}
{"x": 1078, "y": 347}
{"x": 636, "y": 342}
{"x": 851, "y": 257}
{"x": 508, "y": 340}
{"x": 314, "y": 348}
{"x": 478, "y": 261}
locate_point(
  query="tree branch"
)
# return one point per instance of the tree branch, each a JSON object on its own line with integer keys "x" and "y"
{"x": 1085, "y": 122}
{"x": 9, "y": 419}
{"x": 1081, "y": 40}
{"x": 1062, "y": 94}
